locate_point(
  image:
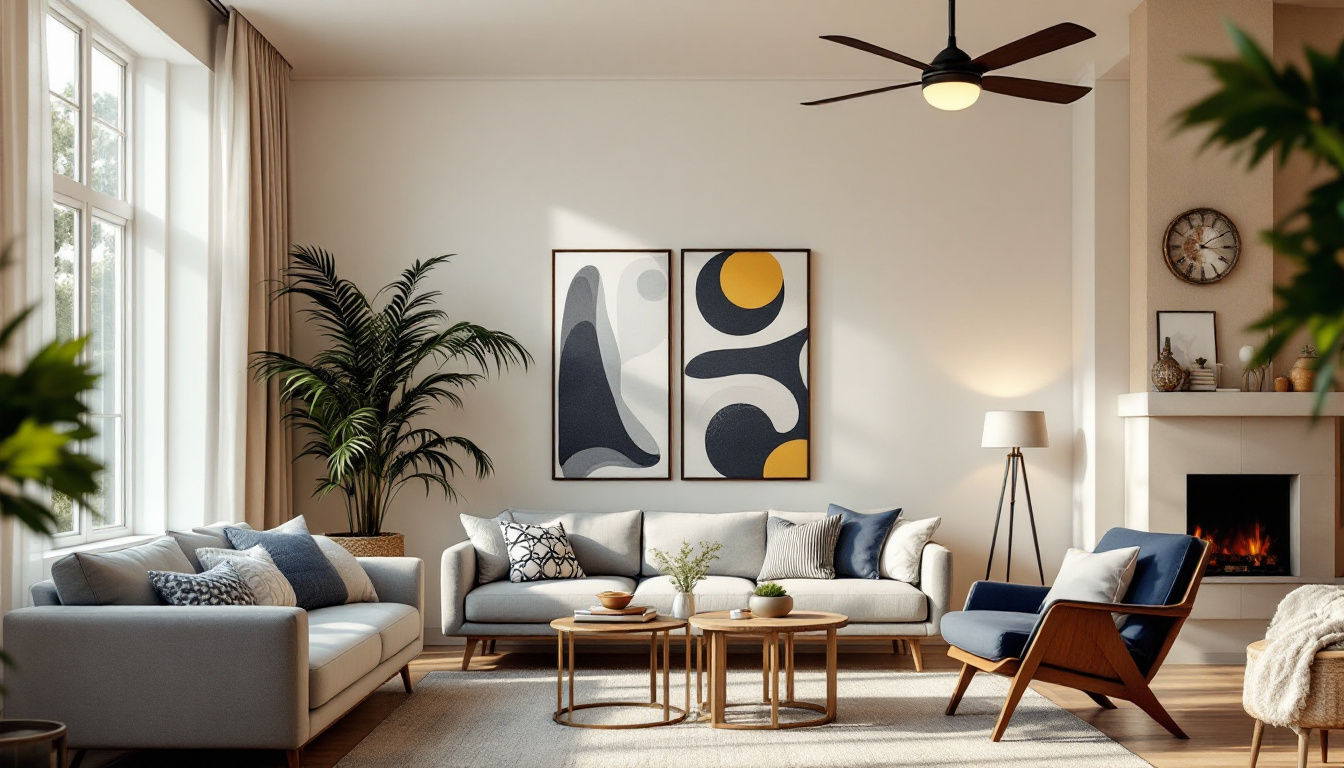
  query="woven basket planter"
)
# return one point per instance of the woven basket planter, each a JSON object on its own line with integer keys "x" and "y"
{"x": 382, "y": 545}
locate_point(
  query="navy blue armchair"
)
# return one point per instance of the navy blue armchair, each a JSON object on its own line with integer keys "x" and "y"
{"x": 1076, "y": 644}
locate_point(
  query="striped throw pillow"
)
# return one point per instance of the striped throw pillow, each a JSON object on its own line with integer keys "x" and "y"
{"x": 800, "y": 551}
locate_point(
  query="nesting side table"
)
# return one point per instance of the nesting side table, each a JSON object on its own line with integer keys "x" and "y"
{"x": 567, "y": 628}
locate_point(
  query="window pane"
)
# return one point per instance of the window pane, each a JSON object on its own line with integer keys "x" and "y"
{"x": 66, "y": 271}
{"x": 106, "y": 449}
{"x": 64, "y": 139}
{"x": 104, "y": 313}
{"x": 107, "y": 145}
{"x": 63, "y": 59}
{"x": 107, "y": 79}
{"x": 64, "y": 509}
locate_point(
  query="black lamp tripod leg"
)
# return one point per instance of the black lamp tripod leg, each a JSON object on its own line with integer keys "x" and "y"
{"x": 1031, "y": 515}
{"x": 997, "y": 517}
{"x": 1014, "y": 459}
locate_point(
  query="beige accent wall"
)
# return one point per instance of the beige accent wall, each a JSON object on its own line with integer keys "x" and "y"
{"x": 1169, "y": 175}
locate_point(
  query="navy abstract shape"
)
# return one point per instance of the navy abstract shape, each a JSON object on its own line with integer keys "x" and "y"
{"x": 587, "y": 413}
{"x": 740, "y": 437}
{"x": 722, "y": 314}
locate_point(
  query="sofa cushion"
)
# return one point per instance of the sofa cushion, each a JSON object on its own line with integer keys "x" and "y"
{"x": 993, "y": 635}
{"x": 797, "y": 518}
{"x": 120, "y": 577}
{"x": 604, "y": 542}
{"x": 492, "y": 557}
{"x": 316, "y": 583}
{"x": 862, "y": 600}
{"x": 396, "y": 625}
{"x": 339, "y": 653}
{"x": 714, "y": 593}
{"x": 742, "y": 535}
{"x": 538, "y": 602}
{"x": 858, "y": 551}
{"x": 358, "y": 585}
{"x": 267, "y": 583}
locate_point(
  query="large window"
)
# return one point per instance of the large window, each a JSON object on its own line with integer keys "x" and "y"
{"x": 89, "y": 74}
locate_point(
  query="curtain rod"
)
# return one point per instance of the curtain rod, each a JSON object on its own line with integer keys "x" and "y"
{"x": 219, "y": 7}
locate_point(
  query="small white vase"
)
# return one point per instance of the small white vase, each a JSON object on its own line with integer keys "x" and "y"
{"x": 683, "y": 605}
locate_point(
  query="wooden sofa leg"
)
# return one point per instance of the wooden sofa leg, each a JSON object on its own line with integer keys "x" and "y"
{"x": 896, "y": 647}
{"x": 1101, "y": 701}
{"x": 294, "y": 758}
{"x": 963, "y": 681}
{"x": 406, "y": 678}
{"x": 916, "y": 653}
{"x": 466, "y": 653}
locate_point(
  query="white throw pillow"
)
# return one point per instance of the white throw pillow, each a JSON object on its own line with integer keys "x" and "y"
{"x": 257, "y": 568}
{"x": 492, "y": 556}
{"x": 358, "y": 587}
{"x": 1094, "y": 577}
{"x": 904, "y": 547}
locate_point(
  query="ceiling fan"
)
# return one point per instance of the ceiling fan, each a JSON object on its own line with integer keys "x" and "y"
{"x": 954, "y": 80}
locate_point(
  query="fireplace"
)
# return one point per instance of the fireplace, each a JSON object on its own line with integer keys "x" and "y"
{"x": 1246, "y": 518}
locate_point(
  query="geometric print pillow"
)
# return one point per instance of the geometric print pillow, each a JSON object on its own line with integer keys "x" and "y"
{"x": 269, "y": 586}
{"x": 538, "y": 552}
{"x": 221, "y": 585}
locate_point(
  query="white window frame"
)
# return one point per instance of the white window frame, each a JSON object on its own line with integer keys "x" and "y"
{"x": 90, "y": 203}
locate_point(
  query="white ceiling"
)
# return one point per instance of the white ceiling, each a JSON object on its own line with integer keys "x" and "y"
{"x": 665, "y": 38}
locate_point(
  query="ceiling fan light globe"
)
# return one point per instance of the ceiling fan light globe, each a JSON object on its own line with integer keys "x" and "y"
{"x": 951, "y": 95}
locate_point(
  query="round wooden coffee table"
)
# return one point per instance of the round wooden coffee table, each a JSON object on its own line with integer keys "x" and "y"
{"x": 716, "y": 627}
{"x": 567, "y": 628}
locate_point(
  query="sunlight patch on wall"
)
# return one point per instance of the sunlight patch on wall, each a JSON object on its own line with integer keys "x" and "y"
{"x": 571, "y": 229}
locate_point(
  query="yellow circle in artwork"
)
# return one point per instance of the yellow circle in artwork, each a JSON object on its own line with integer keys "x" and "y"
{"x": 751, "y": 279}
{"x": 788, "y": 460}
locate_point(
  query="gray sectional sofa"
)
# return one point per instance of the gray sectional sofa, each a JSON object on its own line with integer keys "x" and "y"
{"x": 204, "y": 677}
{"x": 612, "y": 548}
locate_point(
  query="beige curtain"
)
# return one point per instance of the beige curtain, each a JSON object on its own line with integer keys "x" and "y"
{"x": 250, "y": 245}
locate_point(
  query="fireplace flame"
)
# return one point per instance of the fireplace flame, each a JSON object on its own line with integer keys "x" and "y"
{"x": 1254, "y": 545}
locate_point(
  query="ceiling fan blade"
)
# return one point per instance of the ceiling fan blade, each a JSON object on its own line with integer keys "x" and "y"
{"x": 834, "y": 99}
{"x": 877, "y": 51}
{"x": 1033, "y": 45}
{"x": 1037, "y": 90}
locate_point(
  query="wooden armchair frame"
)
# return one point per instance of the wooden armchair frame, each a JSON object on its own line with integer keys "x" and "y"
{"x": 1079, "y": 646}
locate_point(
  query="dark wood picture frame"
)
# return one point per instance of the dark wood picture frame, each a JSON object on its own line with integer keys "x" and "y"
{"x": 681, "y": 384}
{"x": 555, "y": 381}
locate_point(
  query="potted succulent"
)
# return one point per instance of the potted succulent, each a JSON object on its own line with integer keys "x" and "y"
{"x": 685, "y": 569}
{"x": 770, "y": 601}
{"x": 362, "y": 402}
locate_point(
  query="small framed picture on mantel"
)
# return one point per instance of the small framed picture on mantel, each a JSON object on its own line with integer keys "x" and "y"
{"x": 1193, "y": 334}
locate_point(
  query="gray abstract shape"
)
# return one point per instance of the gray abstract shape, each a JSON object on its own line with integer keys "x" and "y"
{"x": 589, "y": 460}
{"x": 637, "y": 334}
{"x": 652, "y": 284}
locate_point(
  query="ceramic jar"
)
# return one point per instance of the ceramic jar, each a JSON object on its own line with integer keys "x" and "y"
{"x": 1168, "y": 375}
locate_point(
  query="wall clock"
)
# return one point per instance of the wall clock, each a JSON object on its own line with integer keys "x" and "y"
{"x": 1201, "y": 246}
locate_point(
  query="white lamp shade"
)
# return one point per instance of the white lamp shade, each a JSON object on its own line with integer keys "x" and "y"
{"x": 1015, "y": 429}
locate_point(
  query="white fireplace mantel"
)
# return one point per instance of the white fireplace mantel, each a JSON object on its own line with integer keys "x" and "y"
{"x": 1228, "y": 404}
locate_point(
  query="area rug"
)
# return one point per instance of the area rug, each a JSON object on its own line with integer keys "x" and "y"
{"x": 502, "y": 719}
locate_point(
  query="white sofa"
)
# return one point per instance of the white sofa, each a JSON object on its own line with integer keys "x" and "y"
{"x": 612, "y": 548}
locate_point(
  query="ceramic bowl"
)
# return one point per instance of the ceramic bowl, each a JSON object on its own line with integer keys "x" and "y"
{"x": 615, "y": 600}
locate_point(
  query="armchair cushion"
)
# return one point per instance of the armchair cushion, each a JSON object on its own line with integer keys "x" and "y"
{"x": 993, "y": 635}
{"x": 1166, "y": 565}
{"x": 1002, "y": 596}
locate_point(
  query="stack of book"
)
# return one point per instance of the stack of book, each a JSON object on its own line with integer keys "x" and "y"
{"x": 632, "y": 614}
{"x": 1202, "y": 380}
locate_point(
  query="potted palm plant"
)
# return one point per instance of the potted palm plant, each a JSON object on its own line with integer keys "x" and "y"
{"x": 361, "y": 402}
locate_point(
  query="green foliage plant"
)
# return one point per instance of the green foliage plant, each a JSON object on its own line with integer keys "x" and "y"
{"x": 363, "y": 403}
{"x": 770, "y": 589}
{"x": 686, "y": 568}
{"x": 1259, "y": 110}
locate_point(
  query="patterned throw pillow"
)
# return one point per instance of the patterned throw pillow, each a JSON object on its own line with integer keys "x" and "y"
{"x": 538, "y": 552}
{"x": 800, "y": 551}
{"x": 257, "y": 568}
{"x": 221, "y": 585}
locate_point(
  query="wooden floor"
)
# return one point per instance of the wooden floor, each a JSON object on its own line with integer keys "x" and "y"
{"x": 1205, "y": 700}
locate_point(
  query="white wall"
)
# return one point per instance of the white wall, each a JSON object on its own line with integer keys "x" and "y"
{"x": 941, "y": 247}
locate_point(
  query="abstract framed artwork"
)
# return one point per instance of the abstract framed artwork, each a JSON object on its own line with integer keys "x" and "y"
{"x": 745, "y": 340}
{"x": 611, "y": 364}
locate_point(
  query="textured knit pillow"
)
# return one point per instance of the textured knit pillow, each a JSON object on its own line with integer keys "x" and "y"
{"x": 904, "y": 549}
{"x": 267, "y": 583}
{"x": 800, "y": 551}
{"x": 221, "y": 585}
{"x": 492, "y": 557}
{"x": 316, "y": 583}
{"x": 858, "y": 551}
{"x": 358, "y": 585}
{"x": 538, "y": 552}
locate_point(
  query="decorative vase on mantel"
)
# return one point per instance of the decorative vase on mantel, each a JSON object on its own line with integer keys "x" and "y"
{"x": 377, "y": 545}
{"x": 683, "y": 605}
{"x": 1303, "y": 372}
{"x": 1168, "y": 375}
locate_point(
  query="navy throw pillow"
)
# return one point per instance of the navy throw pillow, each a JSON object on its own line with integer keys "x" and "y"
{"x": 316, "y": 582}
{"x": 858, "y": 551}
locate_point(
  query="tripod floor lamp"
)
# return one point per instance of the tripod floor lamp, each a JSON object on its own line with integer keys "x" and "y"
{"x": 1014, "y": 430}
